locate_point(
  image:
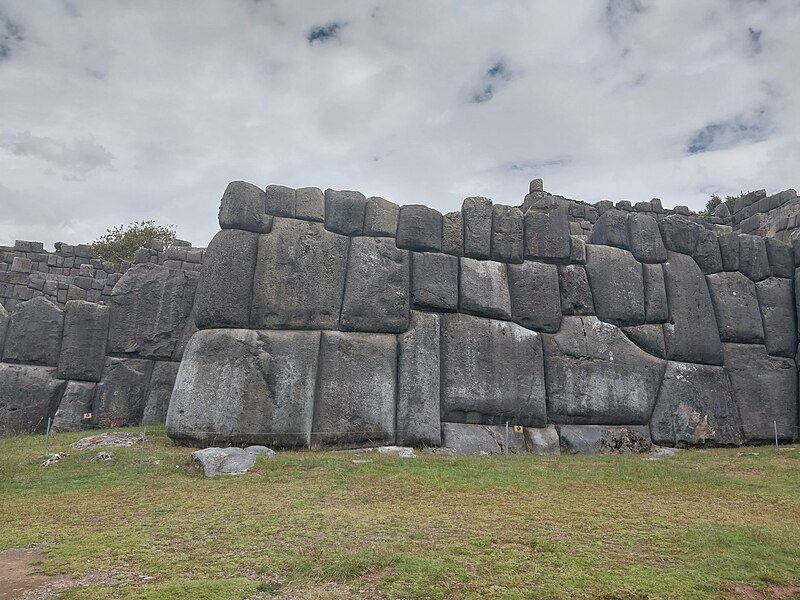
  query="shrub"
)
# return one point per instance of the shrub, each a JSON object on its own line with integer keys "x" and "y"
{"x": 120, "y": 243}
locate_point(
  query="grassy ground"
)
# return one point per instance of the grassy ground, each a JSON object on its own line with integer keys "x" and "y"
{"x": 316, "y": 525}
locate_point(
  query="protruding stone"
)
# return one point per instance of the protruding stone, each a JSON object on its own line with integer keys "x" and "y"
{"x": 507, "y": 234}
{"x": 706, "y": 253}
{"x": 777, "y": 307}
{"x": 344, "y": 212}
{"x": 753, "y": 259}
{"x": 453, "y": 233}
{"x": 483, "y": 289}
{"x": 577, "y": 250}
{"x": 122, "y": 392}
{"x": 376, "y": 291}
{"x": 536, "y": 185}
{"x": 656, "y": 309}
{"x": 649, "y": 337}
{"x": 645, "y": 239}
{"x": 736, "y": 307}
{"x": 462, "y": 439}
{"x": 28, "y": 396}
{"x": 722, "y": 211}
{"x": 680, "y": 234}
{"x": 547, "y": 230}
{"x": 604, "y": 439}
{"x": 617, "y": 285}
{"x": 281, "y": 201}
{"x": 434, "y": 281}
{"x": 535, "y": 297}
{"x": 243, "y": 206}
{"x": 381, "y": 217}
{"x": 75, "y": 403}
{"x": 83, "y": 348}
{"x": 780, "y": 256}
{"x": 162, "y": 381}
{"x": 611, "y": 229}
{"x": 477, "y": 216}
{"x": 729, "y": 251}
{"x": 310, "y": 204}
{"x": 34, "y": 333}
{"x": 542, "y": 440}
{"x": 418, "y": 382}
{"x": 576, "y": 295}
{"x": 419, "y": 228}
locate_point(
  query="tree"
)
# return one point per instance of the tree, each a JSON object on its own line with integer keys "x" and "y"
{"x": 715, "y": 201}
{"x": 120, "y": 243}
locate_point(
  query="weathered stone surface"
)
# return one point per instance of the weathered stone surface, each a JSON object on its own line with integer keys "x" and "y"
{"x": 547, "y": 229}
{"x": 376, "y": 291}
{"x": 225, "y": 289}
{"x": 477, "y": 217}
{"x": 355, "y": 399}
{"x": 418, "y": 382}
{"x": 310, "y": 204}
{"x": 617, "y": 285}
{"x": 243, "y": 206}
{"x": 281, "y": 201}
{"x": 344, "y": 212}
{"x": 597, "y": 375}
{"x": 453, "y": 233}
{"x": 777, "y": 306}
{"x": 28, "y": 396}
{"x": 695, "y": 407}
{"x": 77, "y": 401}
{"x": 576, "y": 295}
{"x": 299, "y": 277}
{"x": 691, "y": 335}
{"x": 645, "y": 239}
{"x": 464, "y": 440}
{"x": 649, "y": 338}
{"x": 162, "y": 380}
{"x": 736, "y": 307}
{"x": 434, "y": 281}
{"x": 611, "y": 229}
{"x": 34, "y": 333}
{"x": 149, "y": 306}
{"x": 656, "y": 309}
{"x": 507, "y": 234}
{"x": 679, "y": 233}
{"x": 122, "y": 392}
{"x": 483, "y": 289}
{"x": 706, "y": 253}
{"x": 491, "y": 372}
{"x": 83, "y": 347}
{"x": 4, "y": 319}
{"x": 419, "y": 228}
{"x": 535, "y": 296}
{"x": 765, "y": 389}
{"x": 753, "y": 259}
{"x": 380, "y": 218}
{"x": 542, "y": 440}
{"x": 780, "y": 256}
{"x": 729, "y": 251}
{"x": 602, "y": 439}
{"x": 577, "y": 249}
{"x": 223, "y": 461}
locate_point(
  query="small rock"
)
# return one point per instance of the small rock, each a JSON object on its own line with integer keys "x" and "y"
{"x": 53, "y": 459}
{"x": 360, "y": 461}
{"x": 260, "y": 451}
{"x": 223, "y": 461}
{"x": 397, "y": 450}
{"x": 113, "y": 439}
{"x": 658, "y": 452}
{"x": 103, "y": 456}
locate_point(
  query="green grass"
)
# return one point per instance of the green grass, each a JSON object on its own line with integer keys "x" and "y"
{"x": 315, "y": 525}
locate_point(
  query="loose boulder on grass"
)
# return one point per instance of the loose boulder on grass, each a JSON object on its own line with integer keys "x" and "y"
{"x": 228, "y": 461}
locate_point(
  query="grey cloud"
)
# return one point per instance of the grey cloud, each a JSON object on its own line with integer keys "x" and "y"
{"x": 619, "y": 13}
{"x": 754, "y": 36}
{"x": 11, "y": 36}
{"x": 325, "y": 33}
{"x": 77, "y": 159}
{"x": 493, "y": 80}
{"x": 719, "y": 135}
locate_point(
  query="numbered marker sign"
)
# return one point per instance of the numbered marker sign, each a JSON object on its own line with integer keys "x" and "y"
{"x": 518, "y": 428}
{"x": 87, "y": 416}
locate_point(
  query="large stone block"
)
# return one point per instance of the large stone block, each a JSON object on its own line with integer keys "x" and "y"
{"x": 239, "y": 386}
{"x": 355, "y": 399}
{"x": 380, "y": 218}
{"x": 542, "y": 440}
{"x": 476, "y": 214}
{"x": 376, "y": 291}
{"x": 656, "y": 309}
{"x": 611, "y": 229}
{"x": 780, "y": 256}
{"x": 706, "y": 253}
{"x": 149, "y": 307}
{"x": 617, "y": 285}
{"x": 596, "y": 375}
{"x": 547, "y": 230}
{"x": 76, "y": 402}
{"x": 729, "y": 251}
{"x": 736, "y": 307}
{"x": 310, "y": 204}
{"x": 753, "y": 259}
{"x": 243, "y": 206}
{"x": 765, "y": 389}
{"x": 535, "y": 296}
{"x": 281, "y": 201}
{"x": 492, "y": 372}
{"x": 159, "y": 391}
{"x": 649, "y": 338}
{"x": 4, "y": 319}
{"x": 419, "y": 228}
{"x": 604, "y": 439}
{"x": 691, "y": 335}
{"x": 507, "y": 234}
{"x": 418, "y": 382}
{"x": 434, "y": 281}
{"x": 83, "y": 348}
{"x": 299, "y": 277}
{"x": 344, "y": 212}
{"x": 453, "y": 233}
{"x": 462, "y": 439}
{"x": 483, "y": 289}
{"x": 29, "y": 395}
{"x": 34, "y": 333}
{"x": 576, "y": 295}
{"x": 695, "y": 407}
{"x": 122, "y": 392}
{"x": 680, "y": 234}
{"x": 777, "y": 306}
{"x": 645, "y": 239}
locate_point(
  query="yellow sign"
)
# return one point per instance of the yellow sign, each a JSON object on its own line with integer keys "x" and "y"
{"x": 518, "y": 428}
{"x": 87, "y": 416}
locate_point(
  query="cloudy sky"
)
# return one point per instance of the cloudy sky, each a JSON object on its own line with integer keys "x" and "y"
{"x": 116, "y": 111}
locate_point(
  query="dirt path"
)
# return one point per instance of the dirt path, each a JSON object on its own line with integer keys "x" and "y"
{"x": 18, "y": 579}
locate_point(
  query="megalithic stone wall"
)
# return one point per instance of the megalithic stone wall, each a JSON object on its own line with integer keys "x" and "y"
{"x": 334, "y": 319}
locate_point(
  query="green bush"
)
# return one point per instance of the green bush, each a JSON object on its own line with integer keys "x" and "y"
{"x": 715, "y": 201}
{"x": 120, "y": 243}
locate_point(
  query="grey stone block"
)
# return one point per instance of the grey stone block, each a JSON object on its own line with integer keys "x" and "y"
{"x": 491, "y": 372}
{"x": 122, "y": 392}
{"x": 729, "y": 251}
{"x": 159, "y": 390}
{"x": 542, "y": 440}
{"x": 781, "y": 257}
{"x": 355, "y": 399}
{"x": 695, "y": 407}
{"x": 691, "y": 335}
{"x": 223, "y": 461}
{"x": 611, "y": 229}
{"x": 706, "y": 253}
{"x": 765, "y": 389}
{"x": 477, "y": 217}
{"x": 381, "y": 217}
{"x": 483, "y": 289}
{"x": 83, "y": 348}
{"x": 28, "y": 396}
{"x": 453, "y": 233}
{"x": 376, "y": 291}
{"x": 34, "y": 333}
{"x": 753, "y": 259}
{"x": 617, "y": 285}
{"x": 679, "y": 233}
{"x": 418, "y": 382}
{"x": 645, "y": 239}
{"x": 507, "y": 234}
{"x": 344, "y": 212}
{"x": 535, "y": 296}
{"x": 777, "y": 306}
{"x": 21, "y": 265}
{"x": 434, "y": 281}
{"x": 649, "y": 337}
{"x": 596, "y": 375}
{"x": 461, "y": 439}
{"x": 4, "y": 319}
{"x": 656, "y": 309}
{"x": 243, "y": 206}
{"x": 281, "y": 201}
{"x": 736, "y": 307}
{"x": 547, "y": 229}
{"x": 76, "y": 402}
{"x": 299, "y": 277}
{"x": 576, "y": 295}
{"x": 419, "y": 228}
{"x": 577, "y": 249}
{"x": 225, "y": 288}
{"x": 603, "y": 439}
{"x": 310, "y": 204}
